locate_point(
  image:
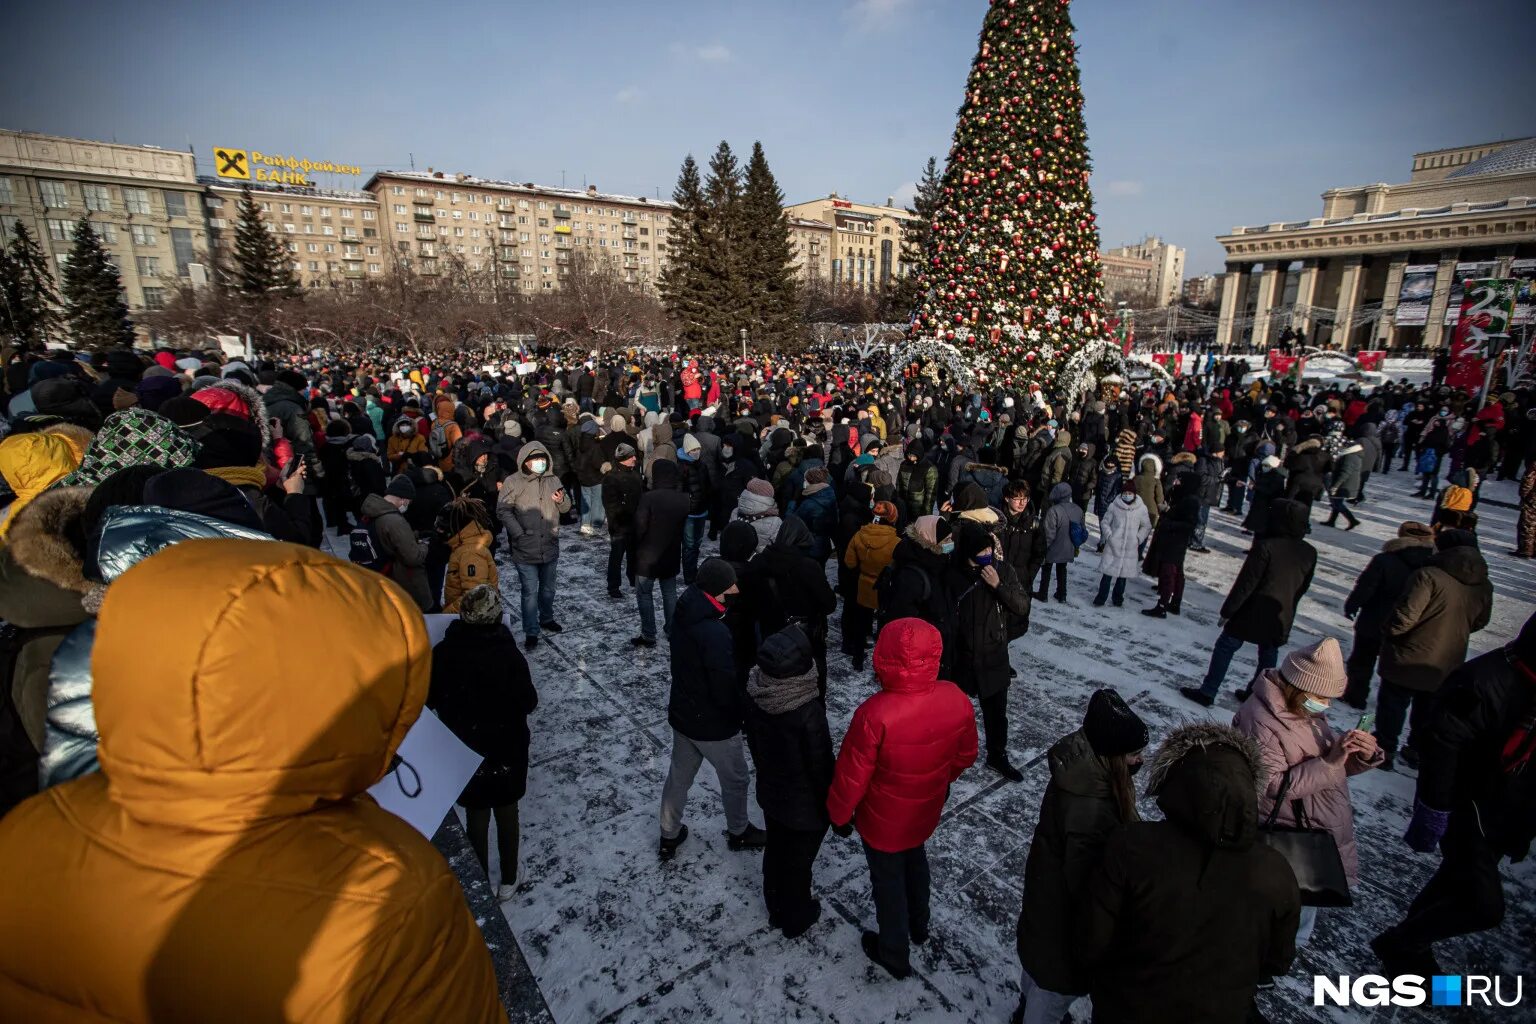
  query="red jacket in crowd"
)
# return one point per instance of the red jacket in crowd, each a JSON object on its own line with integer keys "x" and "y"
{"x": 906, "y": 744}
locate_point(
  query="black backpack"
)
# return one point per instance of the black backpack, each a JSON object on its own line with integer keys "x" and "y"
{"x": 364, "y": 548}
{"x": 885, "y": 584}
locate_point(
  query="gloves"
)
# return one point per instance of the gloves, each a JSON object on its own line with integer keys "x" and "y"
{"x": 845, "y": 830}
{"x": 1426, "y": 828}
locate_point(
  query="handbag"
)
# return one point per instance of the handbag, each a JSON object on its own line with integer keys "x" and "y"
{"x": 1312, "y": 853}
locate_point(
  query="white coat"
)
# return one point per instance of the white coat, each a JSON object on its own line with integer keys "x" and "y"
{"x": 1123, "y": 528}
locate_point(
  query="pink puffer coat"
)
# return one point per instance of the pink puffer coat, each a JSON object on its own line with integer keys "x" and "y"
{"x": 1298, "y": 742}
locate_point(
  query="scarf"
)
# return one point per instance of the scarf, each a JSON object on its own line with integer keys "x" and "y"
{"x": 776, "y": 696}
{"x": 241, "y": 476}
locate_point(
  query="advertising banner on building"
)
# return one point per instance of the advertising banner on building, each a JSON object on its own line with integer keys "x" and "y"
{"x": 1465, "y": 272}
{"x": 1524, "y": 274}
{"x": 1414, "y": 298}
{"x": 1370, "y": 360}
{"x": 1482, "y": 329}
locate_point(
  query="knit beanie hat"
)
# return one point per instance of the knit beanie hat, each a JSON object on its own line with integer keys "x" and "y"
{"x": 786, "y": 653}
{"x": 715, "y": 577}
{"x": 401, "y": 487}
{"x": 481, "y": 606}
{"x": 129, "y": 438}
{"x": 623, "y": 452}
{"x": 1111, "y": 726}
{"x": 155, "y": 391}
{"x": 971, "y": 539}
{"x": 815, "y": 475}
{"x": 1318, "y": 669}
{"x": 760, "y": 487}
{"x": 885, "y": 512}
{"x": 691, "y": 444}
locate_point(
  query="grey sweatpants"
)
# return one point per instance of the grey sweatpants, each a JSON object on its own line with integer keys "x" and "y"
{"x": 730, "y": 763}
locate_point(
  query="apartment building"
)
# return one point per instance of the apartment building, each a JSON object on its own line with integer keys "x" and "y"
{"x": 811, "y": 243}
{"x": 146, "y": 204}
{"x": 333, "y": 236}
{"x": 524, "y": 235}
{"x": 865, "y": 241}
{"x": 1167, "y": 266}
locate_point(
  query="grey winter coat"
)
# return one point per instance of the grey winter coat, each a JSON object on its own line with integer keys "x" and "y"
{"x": 528, "y": 509}
{"x": 1345, "y": 482}
{"x": 129, "y": 534}
{"x": 407, "y": 555}
{"x": 1057, "y": 525}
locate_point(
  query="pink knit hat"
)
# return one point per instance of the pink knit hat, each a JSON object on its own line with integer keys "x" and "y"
{"x": 1318, "y": 669}
{"x": 760, "y": 487}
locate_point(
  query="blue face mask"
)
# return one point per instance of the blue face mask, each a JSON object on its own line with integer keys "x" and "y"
{"x": 984, "y": 559}
{"x": 1317, "y": 707}
{"x": 947, "y": 546}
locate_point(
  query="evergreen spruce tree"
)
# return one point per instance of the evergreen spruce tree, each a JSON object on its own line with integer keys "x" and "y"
{"x": 36, "y": 312}
{"x": 766, "y": 256}
{"x": 262, "y": 265}
{"x": 12, "y": 309}
{"x": 721, "y": 261}
{"x": 904, "y": 297}
{"x": 683, "y": 285}
{"x": 1012, "y": 274}
{"x": 93, "y": 294}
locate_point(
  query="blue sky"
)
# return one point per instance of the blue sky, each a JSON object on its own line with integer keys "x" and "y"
{"x": 1201, "y": 114}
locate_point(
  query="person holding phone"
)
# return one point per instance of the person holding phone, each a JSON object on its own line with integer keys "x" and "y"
{"x": 530, "y": 505}
{"x": 1286, "y": 716}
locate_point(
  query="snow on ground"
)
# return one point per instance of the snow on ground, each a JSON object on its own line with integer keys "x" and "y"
{"x": 611, "y": 935}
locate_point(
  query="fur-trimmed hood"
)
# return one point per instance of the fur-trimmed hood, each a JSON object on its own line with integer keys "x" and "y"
{"x": 252, "y": 399}
{"x": 916, "y": 538}
{"x": 1157, "y": 464}
{"x": 1183, "y": 459}
{"x": 40, "y": 538}
{"x": 1206, "y": 778}
{"x": 1311, "y": 444}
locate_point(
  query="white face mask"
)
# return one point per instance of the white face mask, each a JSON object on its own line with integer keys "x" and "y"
{"x": 537, "y": 466}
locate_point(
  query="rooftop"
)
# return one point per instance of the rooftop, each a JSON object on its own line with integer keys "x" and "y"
{"x": 1453, "y": 210}
{"x": 1516, "y": 158}
{"x": 442, "y": 179}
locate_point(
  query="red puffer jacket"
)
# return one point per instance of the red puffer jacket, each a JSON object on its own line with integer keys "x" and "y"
{"x": 905, "y": 745}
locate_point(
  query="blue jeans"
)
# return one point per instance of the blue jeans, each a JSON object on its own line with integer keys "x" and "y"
{"x": 592, "y": 507}
{"x": 1104, "y": 590}
{"x": 537, "y": 583}
{"x": 1221, "y": 659}
{"x": 1197, "y": 539}
{"x": 643, "y": 597}
{"x": 694, "y": 528}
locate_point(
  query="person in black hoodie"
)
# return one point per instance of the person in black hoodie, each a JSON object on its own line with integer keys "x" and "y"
{"x": 785, "y": 584}
{"x": 622, "y": 490}
{"x": 792, "y": 752}
{"x": 738, "y": 543}
{"x": 482, "y": 690}
{"x": 1261, "y": 606}
{"x": 1166, "y": 552}
{"x": 1372, "y": 598}
{"x": 659, "y": 520}
{"x": 1183, "y": 918}
{"x": 705, "y": 710}
{"x": 987, "y": 594}
{"x": 1476, "y": 800}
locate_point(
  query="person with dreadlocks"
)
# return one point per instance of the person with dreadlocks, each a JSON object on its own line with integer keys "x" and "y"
{"x": 1476, "y": 800}
{"x": 466, "y": 524}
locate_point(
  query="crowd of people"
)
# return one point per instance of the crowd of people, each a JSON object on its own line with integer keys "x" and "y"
{"x": 766, "y": 503}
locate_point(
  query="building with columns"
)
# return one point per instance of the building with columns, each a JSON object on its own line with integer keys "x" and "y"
{"x": 1377, "y": 268}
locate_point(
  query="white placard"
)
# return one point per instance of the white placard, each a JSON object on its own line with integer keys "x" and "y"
{"x": 231, "y": 345}
{"x": 524, "y": 369}
{"x": 434, "y": 767}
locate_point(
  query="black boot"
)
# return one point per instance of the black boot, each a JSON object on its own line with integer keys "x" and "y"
{"x": 1160, "y": 612}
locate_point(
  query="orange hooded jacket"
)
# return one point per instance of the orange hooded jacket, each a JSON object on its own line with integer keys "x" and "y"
{"x": 226, "y": 864}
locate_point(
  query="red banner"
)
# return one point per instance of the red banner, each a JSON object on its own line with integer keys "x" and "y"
{"x": 1173, "y": 362}
{"x": 1370, "y": 359}
{"x": 1280, "y": 364}
{"x": 1487, "y": 306}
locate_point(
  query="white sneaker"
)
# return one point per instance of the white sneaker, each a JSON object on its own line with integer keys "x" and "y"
{"x": 586, "y": 531}
{"x": 504, "y": 893}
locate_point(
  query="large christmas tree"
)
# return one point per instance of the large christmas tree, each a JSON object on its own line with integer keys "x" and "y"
{"x": 1011, "y": 276}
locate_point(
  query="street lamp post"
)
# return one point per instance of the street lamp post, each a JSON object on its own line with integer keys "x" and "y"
{"x": 743, "y": 346}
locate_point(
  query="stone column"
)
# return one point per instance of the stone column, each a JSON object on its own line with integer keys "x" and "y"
{"x": 1384, "y": 327}
{"x": 1306, "y": 290}
{"x": 1505, "y": 254}
{"x": 1434, "y": 329}
{"x": 1349, "y": 297}
{"x": 1231, "y": 284}
{"x": 1269, "y": 281}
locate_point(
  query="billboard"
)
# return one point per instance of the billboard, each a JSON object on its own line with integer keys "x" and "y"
{"x": 1481, "y": 331}
{"x": 1524, "y": 274}
{"x": 1464, "y": 273}
{"x": 1414, "y": 298}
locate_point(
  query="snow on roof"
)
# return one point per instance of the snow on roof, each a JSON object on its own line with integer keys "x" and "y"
{"x": 445, "y": 180}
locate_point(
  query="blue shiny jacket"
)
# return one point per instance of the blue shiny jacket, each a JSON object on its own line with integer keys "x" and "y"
{"x": 130, "y": 534}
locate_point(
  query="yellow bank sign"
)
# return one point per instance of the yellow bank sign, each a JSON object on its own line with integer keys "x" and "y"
{"x": 254, "y": 165}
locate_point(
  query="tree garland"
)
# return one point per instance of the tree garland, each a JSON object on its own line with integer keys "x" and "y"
{"x": 930, "y": 350}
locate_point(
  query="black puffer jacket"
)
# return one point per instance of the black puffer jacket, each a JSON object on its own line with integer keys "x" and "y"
{"x": 1306, "y": 467}
{"x": 784, "y": 582}
{"x": 622, "y": 490}
{"x": 791, "y": 749}
{"x": 482, "y": 690}
{"x": 1261, "y": 605}
{"x": 1170, "y": 539}
{"x": 1379, "y": 587}
{"x": 976, "y": 656}
{"x": 1077, "y": 814}
{"x": 659, "y": 520}
{"x": 706, "y": 701}
{"x": 1183, "y": 918}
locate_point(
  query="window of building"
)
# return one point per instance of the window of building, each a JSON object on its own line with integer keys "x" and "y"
{"x": 330, "y": 247}
{"x": 325, "y": 213}
{"x": 314, "y": 266}
{"x": 149, "y": 266}
{"x": 154, "y": 298}
{"x": 60, "y": 230}
{"x": 108, "y": 232}
{"x": 97, "y": 197}
{"x": 144, "y": 234}
{"x": 402, "y": 229}
{"x": 326, "y": 229}
{"x": 181, "y": 250}
{"x": 373, "y": 268}
{"x": 312, "y": 246}
{"x": 397, "y": 190}
{"x": 306, "y": 211}
{"x": 291, "y": 229}
{"x": 6, "y": 193}
{"x": 368, "y": 215}
{"x": 55, "y": 194}
{"x": 373, "y": 250}
{"x": 347, "y": 212}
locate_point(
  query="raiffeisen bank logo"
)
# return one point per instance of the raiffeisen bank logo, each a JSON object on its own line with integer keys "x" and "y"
{"x": 1415, "y": 990}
